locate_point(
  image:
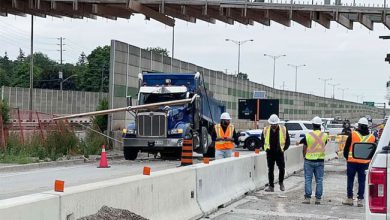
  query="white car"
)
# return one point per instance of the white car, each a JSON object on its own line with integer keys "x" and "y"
{"x": 334, "y": 129}
{"x": 377, "y": 181}
{"x": 298, "y": 130}
{"x": 250, "y": 139}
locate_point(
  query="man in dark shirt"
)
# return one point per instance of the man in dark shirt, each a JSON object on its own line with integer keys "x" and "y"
{"x": 275, "y": 140}
{"x": 354, "y": 165}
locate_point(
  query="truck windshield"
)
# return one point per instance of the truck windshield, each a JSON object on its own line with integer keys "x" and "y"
{"x": 148, "y": 98}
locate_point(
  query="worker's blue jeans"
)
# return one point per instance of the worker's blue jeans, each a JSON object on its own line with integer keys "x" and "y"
{"x": 315, "y": 168}
{"x": 219, "y": 154}
{"x": 360, "y": 169}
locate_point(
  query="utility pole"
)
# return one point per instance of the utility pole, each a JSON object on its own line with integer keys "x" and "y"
{"x": 296, "y": 74}
{"x": 173, "y": 47}
{"x": 60, "y": 74}
{"x": 274, "y": 58}
{"x": 334, "y": 86}
{"x": 31, "y": 69}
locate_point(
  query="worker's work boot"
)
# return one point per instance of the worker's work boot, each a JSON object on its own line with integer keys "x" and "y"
{"x": 306, "y": 201}
{"x": 318, "y": 201}
{"x": 269, "y": 189}
{"x": 348, "y": 201}
{"x": 282, "y": 187}
{"x": 360, "y": 202}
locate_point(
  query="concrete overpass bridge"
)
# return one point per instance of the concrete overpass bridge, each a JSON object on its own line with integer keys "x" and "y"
{"x": 230, "y": 12}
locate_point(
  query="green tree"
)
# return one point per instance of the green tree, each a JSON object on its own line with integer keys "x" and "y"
{"x": 97, "y": 70}
{"x": 159, "y": 50}
{"x": 4, "y": 80}
{"x": 101, "y": 120}
{"x": 4, "y": 111}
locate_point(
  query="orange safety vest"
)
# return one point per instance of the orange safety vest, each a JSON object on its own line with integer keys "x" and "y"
{"x": 358, "y": 138}
{"x": 224, "y": 140}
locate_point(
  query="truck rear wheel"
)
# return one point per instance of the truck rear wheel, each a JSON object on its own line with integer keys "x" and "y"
{"x": 130, "y": 154}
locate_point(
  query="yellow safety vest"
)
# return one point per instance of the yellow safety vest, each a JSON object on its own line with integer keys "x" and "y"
{"x": 316, "y": 141}
{"x": 224, "y": 140}
{"x": 282, "y": 137}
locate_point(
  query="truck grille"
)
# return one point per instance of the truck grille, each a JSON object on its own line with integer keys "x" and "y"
{"x": 151, "y": 124}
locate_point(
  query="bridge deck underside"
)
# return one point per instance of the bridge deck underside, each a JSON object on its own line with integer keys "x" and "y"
{"x": 230, "y": 12}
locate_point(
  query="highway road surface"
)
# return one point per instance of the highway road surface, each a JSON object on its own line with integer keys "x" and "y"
{"x": 287, "y": 205}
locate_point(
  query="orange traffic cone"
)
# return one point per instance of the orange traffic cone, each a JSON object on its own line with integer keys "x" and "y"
{"x": 103, "y": 158}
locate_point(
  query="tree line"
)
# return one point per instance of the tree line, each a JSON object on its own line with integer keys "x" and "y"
{"x": 90, "y": 73}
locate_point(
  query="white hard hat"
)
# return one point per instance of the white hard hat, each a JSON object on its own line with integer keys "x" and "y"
{"x": 273, "y": 120}
{"x": 363, "y": 121}
{"x": 316, "y": 120}
{"x": 225, "y": 116}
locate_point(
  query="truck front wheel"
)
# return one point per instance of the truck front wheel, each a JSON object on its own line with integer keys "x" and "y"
{"x": 130, "y": 154}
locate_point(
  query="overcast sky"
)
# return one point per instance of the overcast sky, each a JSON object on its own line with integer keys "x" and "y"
{"x": 354, "y": 59}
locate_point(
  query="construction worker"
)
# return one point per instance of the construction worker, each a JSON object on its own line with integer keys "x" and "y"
{"x": 275, "y": 140}
{"x": 314, "y": 153}
{"x": 224, "y": 136}
{"x": 362, "y": 134}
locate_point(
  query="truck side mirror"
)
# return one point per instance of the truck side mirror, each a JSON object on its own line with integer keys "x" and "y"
{"x": 363, "y": 151}
{"x": 129, "y": 100}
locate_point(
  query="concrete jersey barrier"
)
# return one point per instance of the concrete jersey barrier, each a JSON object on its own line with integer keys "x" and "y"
{"x": 223, "y": 181}
{"x": 180, "y": 193}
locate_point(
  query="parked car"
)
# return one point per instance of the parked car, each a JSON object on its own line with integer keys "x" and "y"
{"x": 250, "y": 139}
{"x": 377, "y": 181}
{"x": 334, "y": 129}
{"x": 298, "y": 130}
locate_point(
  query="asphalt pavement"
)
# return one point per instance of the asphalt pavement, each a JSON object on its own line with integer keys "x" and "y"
{"x": 288, "y": 204}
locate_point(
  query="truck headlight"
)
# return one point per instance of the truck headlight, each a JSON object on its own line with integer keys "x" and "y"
{"x": 176, "y": 131}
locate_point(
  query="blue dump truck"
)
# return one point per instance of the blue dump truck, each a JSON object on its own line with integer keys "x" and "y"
{"x": 162, "y": 128}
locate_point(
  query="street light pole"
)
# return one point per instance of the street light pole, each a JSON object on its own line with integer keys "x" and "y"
{"x": 274, "y": 58}
{"x": 325, "y": 80}
{"x": 296, "y": 74}
{"x": 239, "y": 43}
{"x": 334, "y": 85}
{"x": 343, "y": 91}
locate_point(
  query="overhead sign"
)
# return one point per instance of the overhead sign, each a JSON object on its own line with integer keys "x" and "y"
{"x": 257, "y": 109}
{"x": 372, "y": 104}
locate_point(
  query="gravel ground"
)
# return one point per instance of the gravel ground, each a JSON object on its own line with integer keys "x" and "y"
{"x": 108, "y": 213}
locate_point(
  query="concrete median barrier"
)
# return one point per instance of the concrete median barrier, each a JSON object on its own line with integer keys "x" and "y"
{"x": 180, "y": 193}
{"x": 223, "y": 181}
{"x": 32, "y": 207}
{"x": 260, "y": 174}
{"x": 168, "y": 194}
{"x": 294, "y": 159}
